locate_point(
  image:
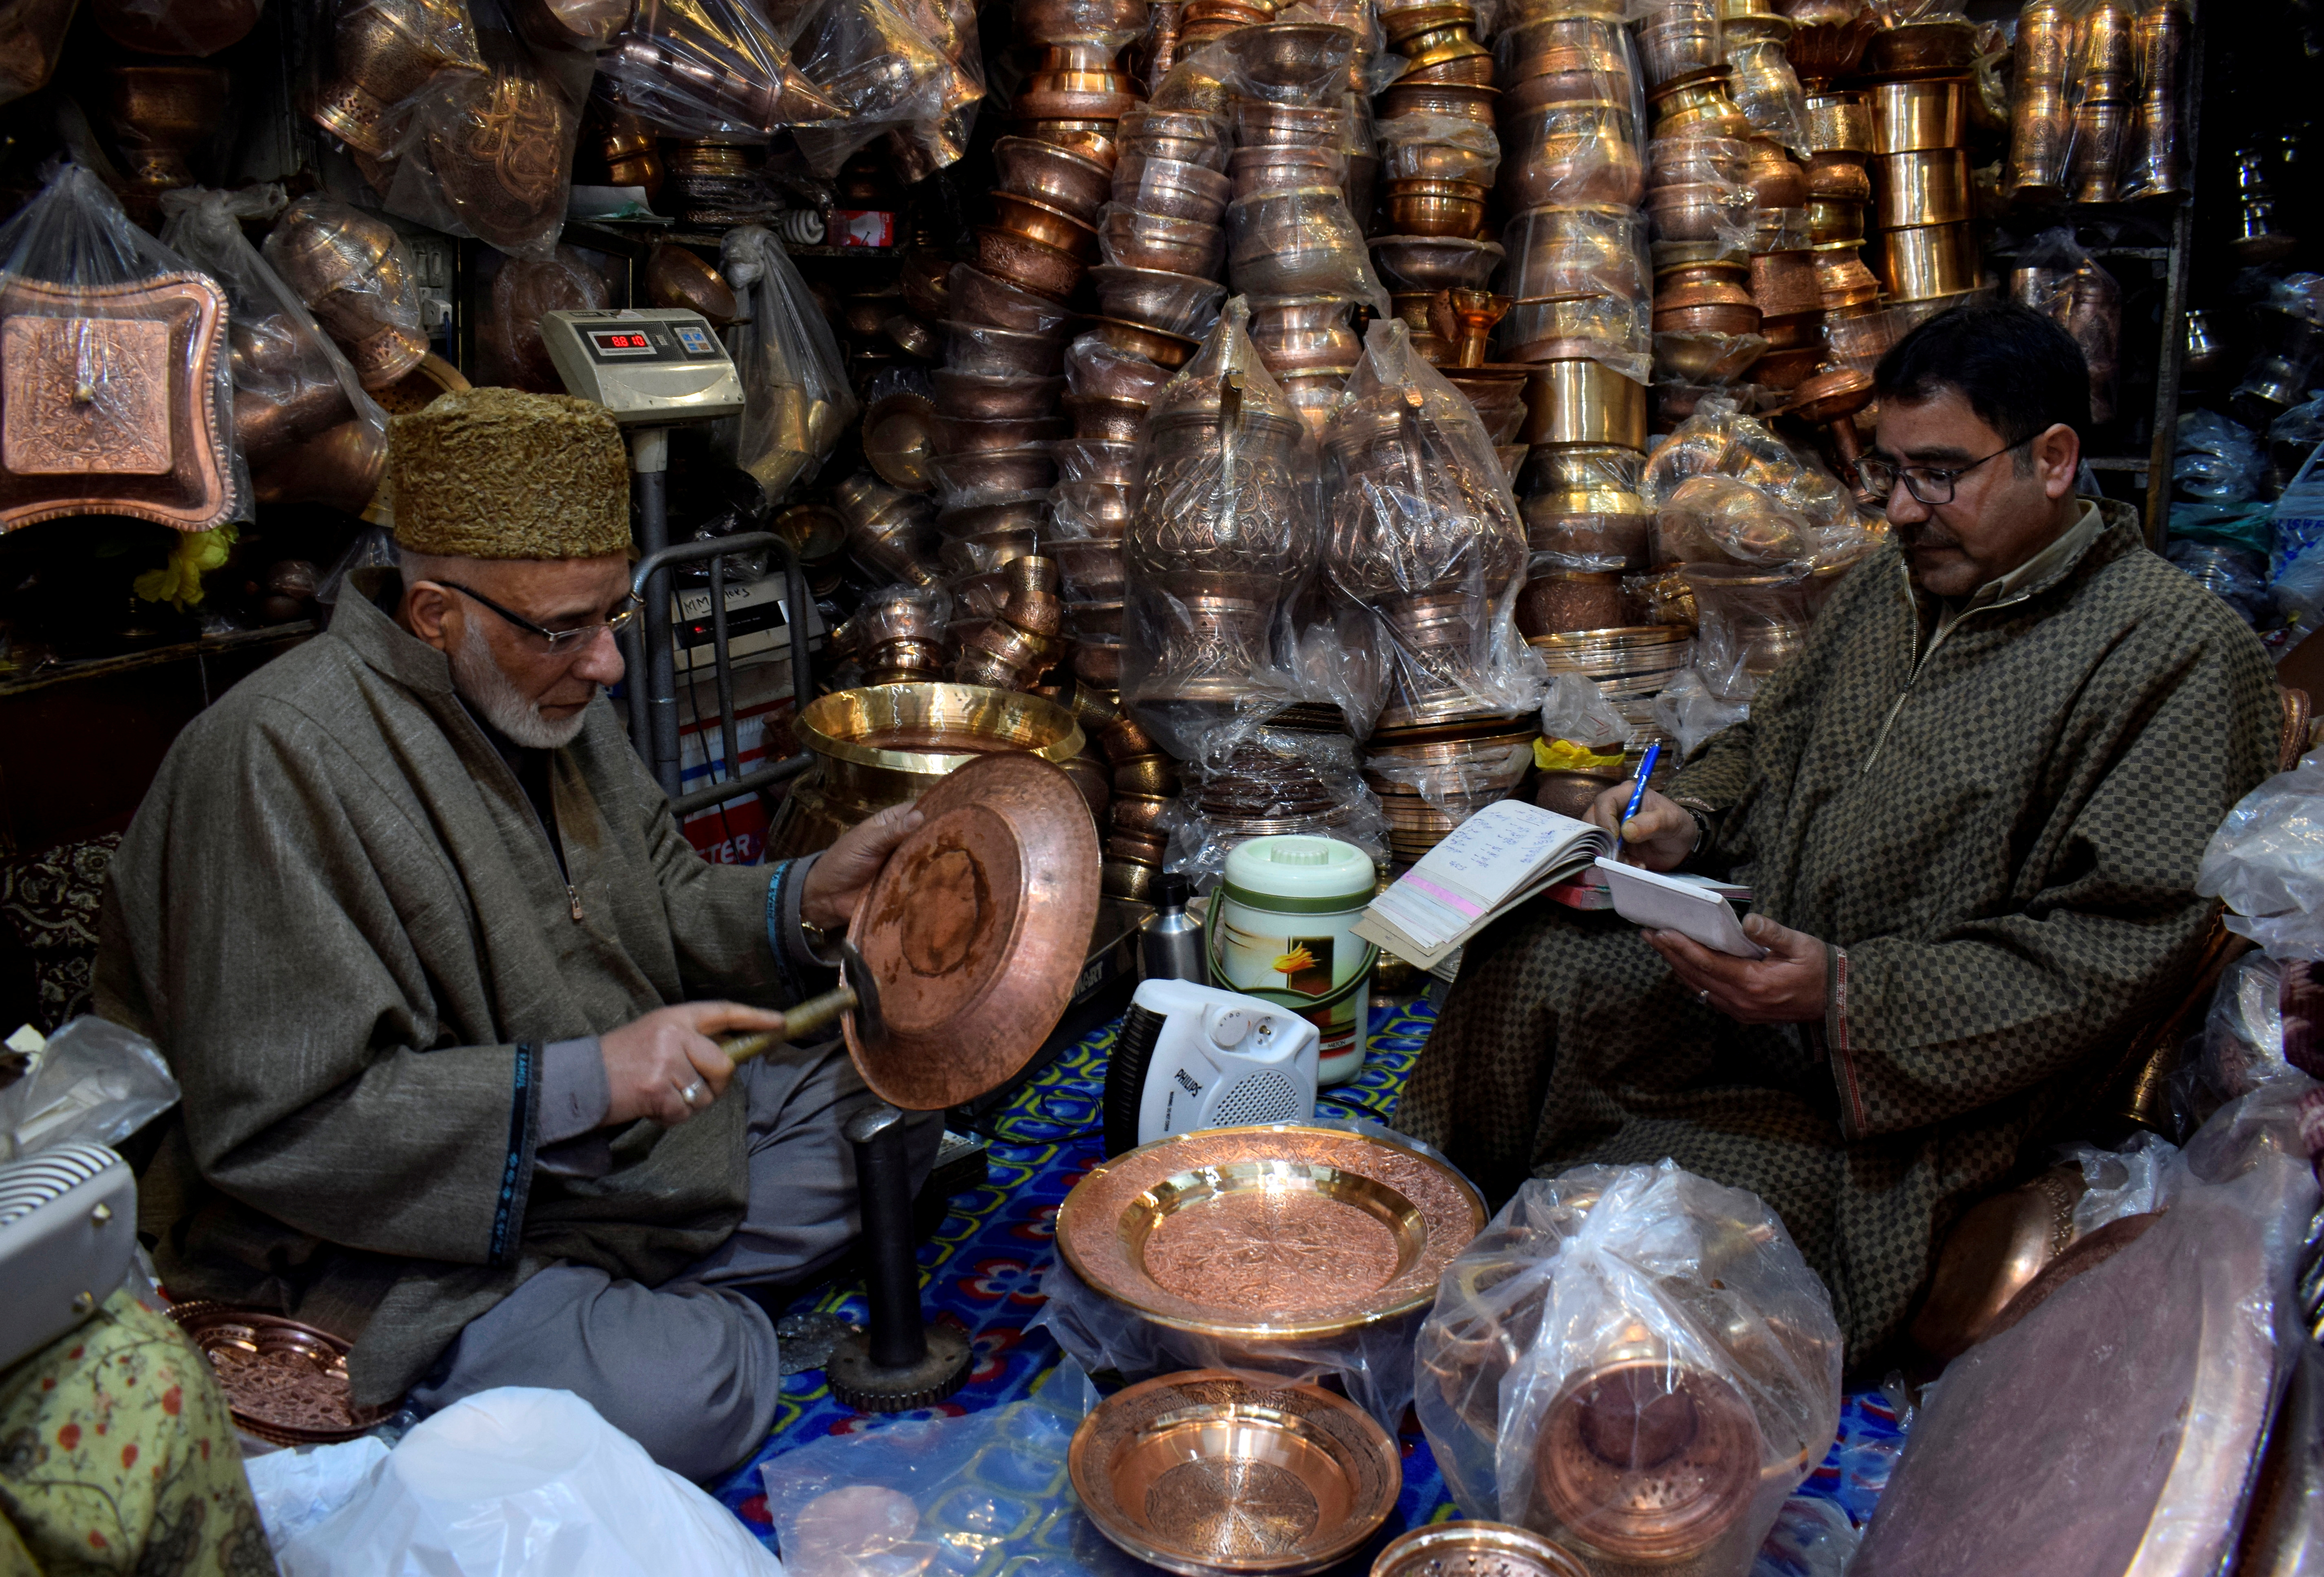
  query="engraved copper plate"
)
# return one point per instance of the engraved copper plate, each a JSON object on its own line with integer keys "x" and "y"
{"x": 1205, "y": 1473}
{"x": 1268, "y": 1231}
{"x": 976, "y": 932}
{"x": 86, "y": 394}
{"x": 110, "y": 401}
{"x": 284, "y": 1382}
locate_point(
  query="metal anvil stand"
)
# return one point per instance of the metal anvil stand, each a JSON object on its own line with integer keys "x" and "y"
{"x": 899, "y": 1361}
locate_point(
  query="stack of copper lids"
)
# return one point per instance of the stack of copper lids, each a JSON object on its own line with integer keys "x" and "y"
{"x": 1630, "y": 666}
{"x": 1431, "y": 780}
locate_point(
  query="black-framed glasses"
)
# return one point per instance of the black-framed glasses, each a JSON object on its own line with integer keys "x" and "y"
{"x": 1931, "y": 484}
{"x": 558, "y": 642}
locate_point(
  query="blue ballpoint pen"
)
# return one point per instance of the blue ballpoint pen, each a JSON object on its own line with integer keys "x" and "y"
{"x": 1638, "y": 791}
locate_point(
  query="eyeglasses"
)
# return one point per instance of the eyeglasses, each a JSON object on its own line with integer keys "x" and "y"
{"x": 1931, "y": 484}
{"x": 557, "y": 643}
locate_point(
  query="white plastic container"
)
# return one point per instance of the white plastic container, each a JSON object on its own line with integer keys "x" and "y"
{"x": 1280, "y": 928}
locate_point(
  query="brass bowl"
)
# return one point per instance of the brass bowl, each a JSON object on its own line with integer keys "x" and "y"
{"x": 1435, "y": 262}
{"x": 1163, "y": 348}
{"x": 1093, "y": 571}
{"x": 1909, "y": 117}
{"x": 1138, "y": 813}
{"x": 1059, "y": 179}
{"x": 1171, "y": 188}
{"x": 1845, "y": 278}
{"x": 679, "y": 277}
{"x": 957, "y": 436}
{"x": 1942, "y": 46}
{"x": 1584, "y": 401}
{"x": 1113, "y": 420}
{"x": 1206, "y": 1473}
{"x": 1075, "y": 96}
{"x": 1927, "y": 188}
{"x": 1120, "y": 378}
{"x": 1835, "y": 224}
{"x": 996, "y": 472}
{"x": 1679, "y": 40}
{"x": 980, "y": 298}
{"x": 1027, "y": 264}
{"x": 1155, "y": 775}
{"x": 1465, "y": 69}
{"x": 1050, "y": 227}
{"x": 1281, "y": 57}
{"x": 1454, "y": 100}
{"x": 1093, "y": 138}
{"x": 1454, "y": 208}
{"x": 1126, "y": 878}
{"x": 1175, "y": 303}
{"x": 1010, "y": 353}
{"x": 1698, "y": 107}
{"x": 1044, "y": 23}
{"x": 899, "y": 440}
{"x": 1098, "y": 662}
{"x": 1934, "y": 259}
{"x": 1695, "y": 212}
{"x": 889, "y": 743}
{"x": 993, "y": 397}
{"x": 1167, "y": 245}
{"x": 1267, "y": 1234}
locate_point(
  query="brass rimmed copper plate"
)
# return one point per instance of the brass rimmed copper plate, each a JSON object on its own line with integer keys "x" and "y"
{"x": 1268, "y": 1231}
{"x": 1206, "y": 1473}
{"x": 284, "y": 1382}
{"x": 1469, "y": 1548}
{"x": 976, "y": 931}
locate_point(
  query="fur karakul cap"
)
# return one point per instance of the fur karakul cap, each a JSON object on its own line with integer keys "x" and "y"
{"x": 500, "y": 474}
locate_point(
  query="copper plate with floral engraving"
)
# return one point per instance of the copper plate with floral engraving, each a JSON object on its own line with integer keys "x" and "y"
{"x": 1269, "y": 1232}
{"x": 1206, "y": 1473}
{"x": 976, "y": 932}
{"x": 109, "y": 401}
{"x": 284, "y": 1381}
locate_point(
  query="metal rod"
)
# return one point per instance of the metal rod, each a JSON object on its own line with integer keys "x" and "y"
{"x": 2169, "y": 371}
{"x": 751, "y": 782}
{"x": 723, "y": 671}
{"x": 633, "y": 689}
{"x": 662, "y": 664}
{"x": 797, "y": 608}
{"x": 883, "y": 1182}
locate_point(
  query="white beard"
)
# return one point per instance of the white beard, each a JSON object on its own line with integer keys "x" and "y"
{"x": 483, "y": 686}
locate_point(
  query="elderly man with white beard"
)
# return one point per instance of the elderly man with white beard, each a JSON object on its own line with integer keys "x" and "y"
{"x": 439, "y": 976}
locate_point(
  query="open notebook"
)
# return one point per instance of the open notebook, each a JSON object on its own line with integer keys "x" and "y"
{"x": 1495, "y": 860}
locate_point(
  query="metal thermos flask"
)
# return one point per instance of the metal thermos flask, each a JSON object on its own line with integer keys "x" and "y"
{"x": 1173, "y": 943}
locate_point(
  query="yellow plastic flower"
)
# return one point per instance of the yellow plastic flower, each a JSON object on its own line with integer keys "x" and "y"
{"x": 1297, "y": 961}
{"x": 178, "y": 582}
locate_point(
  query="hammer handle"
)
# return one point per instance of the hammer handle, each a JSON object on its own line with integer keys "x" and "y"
{"x": 804, "y": 1019}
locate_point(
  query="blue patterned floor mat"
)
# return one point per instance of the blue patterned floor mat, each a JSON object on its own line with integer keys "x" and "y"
{"x": 984, "y": 1267}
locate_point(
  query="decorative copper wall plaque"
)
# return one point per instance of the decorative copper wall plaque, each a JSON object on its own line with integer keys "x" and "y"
{"x": 84, "y": 395}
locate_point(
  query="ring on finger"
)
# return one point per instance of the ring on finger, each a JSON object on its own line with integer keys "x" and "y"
{"x": 1703, "y": 996}
{"x": 691, "y": 1091}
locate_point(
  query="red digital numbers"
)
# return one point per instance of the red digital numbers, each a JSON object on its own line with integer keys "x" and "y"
{"x": 622, "y": 341}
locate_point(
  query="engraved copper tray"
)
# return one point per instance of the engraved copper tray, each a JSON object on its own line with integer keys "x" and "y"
{"x": 108, "y": 402}
{"x": 284, "y": 1382}
{"x": 1206, "y": 1473}
{"x": 976, "y": 931}
{"x": 1268, "y": 1231}
{"x": 1468, "y": 1548}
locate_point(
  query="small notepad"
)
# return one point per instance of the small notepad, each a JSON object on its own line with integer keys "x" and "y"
{"x": 1674, "y": 903}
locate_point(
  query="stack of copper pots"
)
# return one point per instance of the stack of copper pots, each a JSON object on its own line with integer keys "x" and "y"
{"x": 1142, "y": 781}
{"x": 1077, "y": 92}
{"x": 1436, "y": 186}
{"x": 1585, "y": 524}
{"x": 1089, "y": 506}
{"x": 2105, "y": 102}
{"x": 1702, "y": 209}
{"x": 1432, "y": 778}
{"x": 891, "y": 533}
{"x": 897, "y": 637}
{"x": 1023, "y": 639}
{"x": 1927, "y": 248}
{"x": 1783, "y": 270}
{"x": 2040, "y": 118}
{"x": 1161, "y": 236}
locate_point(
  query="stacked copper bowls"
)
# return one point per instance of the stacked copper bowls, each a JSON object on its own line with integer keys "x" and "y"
{"x": 1702, "y": 209}
{"x": 1020, "y": 642}
{"x": 1430, "y": 778}
{"x": 1839, "y": 187}
{"x": 891, "y": 533}
{"x": 2156, "y": 162}
{"x": 1142, "y": 782}
{"x": 1161, "y": 235}
{"x": 1630, "y": 665}
{"x": 1077, "y": 93}
{"x": 1436, "y": 186}
{"x": 1926, "y": 247}
{"x": 1583, "y": 517}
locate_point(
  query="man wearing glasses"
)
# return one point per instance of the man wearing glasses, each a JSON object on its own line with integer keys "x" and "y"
{"x": 1969, "y": 811}
{"x": 439, "y": 976}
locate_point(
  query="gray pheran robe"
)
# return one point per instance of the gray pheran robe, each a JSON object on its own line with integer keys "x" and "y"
{"x": 340, "y": 920}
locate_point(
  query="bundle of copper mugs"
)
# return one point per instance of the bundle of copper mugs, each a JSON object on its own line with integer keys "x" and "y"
{"x": 2096, "y": 117}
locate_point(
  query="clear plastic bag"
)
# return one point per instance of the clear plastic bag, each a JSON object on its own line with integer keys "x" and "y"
{"x": 1300, "y": 241}
{"x": 292, "y": 388}
{"x": 1721, "y": 440}
{"x": 2266, "y": 863}
{"x": 1575, "y": 710}
{"x": 867, "y": 58}
{"x": 1437, "y": 147}
{"x": 94, "y": 1081}
{"x": 2056, "y": 276}
{"x": 1094, "y": 369}
{"x": 1573, "y": 154}
{"x": 1607, "y": 1321}
{"x": 355, "y": 273}
{"x": 1691, "y": 712}
{"x": 1424, "y": 532}
{"x": 1127, "y": 238}
{"x": 707, "y": 68}
{"x": 1253, "y": 776}
{"x": 2215, "y": 460}
{"x": 121, "y": 395}
{"x": 1765, "y": 88}
{"x": 1580, "y": 285}
{"x": 1748, "y": 622}
{"x": 798, "y": 402}
{"x": 1218, "y": 535}
{"x": 1716, "y": 520}
{"x": 2237, "y": 576}
{"x": 920, "y": 148}
{"x": 368, "y": 67}
{"x": 2134, "y": 1179}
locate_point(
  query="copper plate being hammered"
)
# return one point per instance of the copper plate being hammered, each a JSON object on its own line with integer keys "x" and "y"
{"x": 284, "y": 1382}
{"x": 1206, "y": 1473}
{"x": 976, "y": 931}
{"x": 1268, "y": 1231}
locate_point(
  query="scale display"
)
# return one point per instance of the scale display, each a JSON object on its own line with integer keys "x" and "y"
{"x": 651, "y": 366}
{"x": 607, "y": 342}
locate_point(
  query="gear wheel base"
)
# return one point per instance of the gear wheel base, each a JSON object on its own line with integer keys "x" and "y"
{"x": 868, "y": 1388}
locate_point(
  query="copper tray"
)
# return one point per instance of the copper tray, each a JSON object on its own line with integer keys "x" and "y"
{"x": 1469, "y": 1548}
{"x": 282, "y": 1378}
{"x": 1268, "y": 1231}
{"x": 976, "y": 932}
{"x": 109, "y": 401}
{"x": 1205, "y": 1473}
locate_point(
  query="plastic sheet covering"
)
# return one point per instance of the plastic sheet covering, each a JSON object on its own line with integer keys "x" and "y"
{"x": 867, "y": 58}
{"x": 797, "y": 399}
{"x": 1581, "y": 287}
{"x": 1249, "y": 778}
{"x": 1424, "y": 532}
{"x": 518, "y": 1482}
{"x": 1767, "y": 91}
{"x": 1437, "y": 147}
{"x": 368, "y": 67}
{"x": 1690, "y": 711}
{"x": 1572, "y": 153}
{"x": 1373, "y": 1363}
{"x": 489, "y": 152}
{"x": 1221, "y": 528}
{"x": 2237, "y": 576}
{"x": 2056, "y": 276}
{"x": 2115, "y": 1426}
{"x": 1609, "y": 1321}
{"x": 1187, "y": 135}
{"x": 1748, "y": 622}
{"x": 515, "y": 355}
{"x": 356, "y": 275}
{"x": 2266, "y": 863}
{"x": 120, "y": 396}
{"x": 1699, "y": 194}
{"x": 93, "y": 1082}
{"x": 1812, "y": 1537}
{"x": 708, "y": 68}
{"x": 2133, "y": 1180}
{"x": 291, "y": 385}
{"x": 921, "y": 147}
{"x": 1721, "y": 440}
{"x": 1300, "y": 241}
{"x": 2216, "y": 460}
{"x": 1574, "y": 709}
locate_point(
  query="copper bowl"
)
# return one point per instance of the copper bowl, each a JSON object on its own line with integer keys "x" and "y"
{"x": 986, "y": 473}
{"x": 1138, "y": 813}
{"x": 1146, "y": 774}
{"x": 980, "y": 298}
{"x": 1471, "y": 71}
{"x": 1171, "y": 188}
{"x": 1469, "y": 1548}
{"x": 1292, "y": 333}
{"x": 1176, "y": 304}
{"x": 1027, "y": 264}
{"x": 1252, "y": 171}
{"x": 1207, "y": 1472}
{"x": 1553, "y": 89}
{"x": 1909, "y": 117}
{"x": 1162, "y": 348}
{"x": 1051, "y": 227}
{"x": 1942, "y": 46}
{"x": 1121, "y": 378}
{"x": 1167, "y": 245}
{"x": 281, "y": 1378}
{"x": 1114, "y": 420}
{"x": 1071, "y": 183}
{"x": 1044, "y": 23}
{"x": 1933, "y": 261}
{"x": 1584, "y": 401}
{"x": 976, "y": 347}
{"x": 1454, "y": 100}
{"x": 1435, "y": 262}
{"x": 1776, "y": 181}
{"x": 1259, "y": 124}
{"x": 899, "y": 440}
{"x": 1206, "y": 152}
{"x": 1077, "y": 96}
{"x": 1556, "y": 601}
{"x": 1709, "y": 317}
{"x": 1011, "y": 523}
{"x": 679, "y": 277}
{"x": 994, "y": 397}
{"x": 1571, "y": 155}
{"x": 1692, "y": 160}
{"x": 1097, "y": 663}
{"x": 1697, "y": 107}
{"x": 955, "y": 435}
{"x": 1092, "y": 570}
{"x": 1093, "y": 138}
{"x": 1679, "y": 40}
{"x": 1927, "y": 188}
{"x": 1435, "y": 161}
{"x": 1096, "y": 618}
{"x": 1839, "y": 177}
{"x": 1693, "y": 212}
{"x": 1847, "y": 282}
{"x": 1279, "y": 57}
{"x": 1455, "y": 208}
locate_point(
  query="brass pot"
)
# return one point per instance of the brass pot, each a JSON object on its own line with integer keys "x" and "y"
{"x": 1043, "y": 24}
{"x": 1930, "y": 47}
{"x": 889, "y": 744}
{"x": 1057, "y": 178}
{"x": 1095, "y": 139}
{"x": 1172, "y": 189}
{"x": 1931, "y": 260}
{"x": 1139, "y": 339}
{"x": 1026, "y": 263}
{"x": 1680, "y": 40}
{"x": 2042, "y": 129}
{"x": 1835, "y": 224}
{"x": 1776, "y": 181}
{"x": 1259, "y": 123}
{"x": 1133, "y": 240}
{"x": 1093, "y": 569}
{"x": 1111, "y": 420}
{"x": 1251, "y": 171}
{"x": 1557, "y": 601}
{"x": 1465, "y": 70}
{"x": 1927, "y": 188}
{"x": 1837, "y": 178}
{"x": 986, "y": 299}
{"x": 1911, "y": 117}
{"x": 1176, "y": 304}
{"x": 1075, "y": 96}
{"x": 1847, "y": 282}
{"x": 1002, "y": 352}
{"x": 1697, "y": 212}
{"x": 1436, "y": 208}
{"x": 1435, "y": 262}
{"x": 1583, "y": 401}
{"x": 993, "y": 396}
{"x": 632, "y": 153}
